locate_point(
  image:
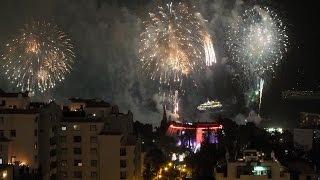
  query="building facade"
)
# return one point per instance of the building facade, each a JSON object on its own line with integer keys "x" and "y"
{"x": 90, "y": 139}
{"x": 253, "y": 166}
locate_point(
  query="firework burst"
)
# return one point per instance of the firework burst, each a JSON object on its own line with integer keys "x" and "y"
{"x": 175, "y": 43}
{"x": 258, "y": 40}
{"x": 38, "y": 57}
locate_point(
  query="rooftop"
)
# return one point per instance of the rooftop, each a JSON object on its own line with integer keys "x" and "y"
{"x": 6, "y": 94}
{"x": 111, "y": 132}
{"x": 83, "y": 119}
{"x": 19, "y": 111}
{"x": 91, "y": 102}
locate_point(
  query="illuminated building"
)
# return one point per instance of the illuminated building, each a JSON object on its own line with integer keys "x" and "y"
{"x": 97, "y": 142}
{"x": 253, "y": 166}
{"x": 94, "y": 141}
{"x": 19, "y": 137}
{"x": 191, "y": 135}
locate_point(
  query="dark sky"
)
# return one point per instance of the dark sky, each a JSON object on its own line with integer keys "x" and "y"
{"x": 105, "y": 35}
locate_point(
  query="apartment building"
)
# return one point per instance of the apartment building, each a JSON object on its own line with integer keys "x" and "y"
{"x": 19, "y": 134}
{"x": 96, "y": 141}
{"x": 90, "y": 139}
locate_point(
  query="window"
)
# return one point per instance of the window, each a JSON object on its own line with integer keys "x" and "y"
{"x": 77, "y": 162}
{"x": 123, "y": 175}
{"x": 35, "y": 132}
{"x": 36, "y": 120}
{"x": 1, "y": 120}
{"x": 35, "y": 145}
{"x": 64, "y": 151}
{"x": 64, "y": 163}
{"x": 13, "y": 159}
{"x": 0, "y": 147}
{"x": 94, "y": 163}
{"x": 93, "y": 151}
{"x": 1, "y": 133}
{"x": 35, "y": 159}
{"x": 76, "y": 138}
{"x": 76, "y": 127}
{"x": 13, "y": 133}
{"x": 63, "y": 127}
{"x": 93, "y": 139}
{"x": 1, "y": 160}
{"x": 123, "y": 152}
{"x": 53, "y": 141}
{"x": 93, "y": 127}
{"x": 63, "y": 139}
{"x": 64, "y": 174}
{"x": 77, "y": 174}
{"x": 54, "y": 129}
{"x": 94, "y": 174}
{"x": 123, "y": 163}
{"x": 76, "y": 150}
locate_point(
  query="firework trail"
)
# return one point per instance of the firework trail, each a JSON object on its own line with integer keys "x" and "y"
{"x": 261, "y": 84}
{"x": 171, "y": 100}
{"x": 38, "y": 57}
{"x": 175, "y": 44}
{"x": 176, "y": 102}
{"x": 257, "y": 41}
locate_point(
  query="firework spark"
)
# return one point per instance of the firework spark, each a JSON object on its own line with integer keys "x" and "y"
{"x": 175, "y": 43}
{"x": 258, "y": 40}
{"x": 38, "y": 57}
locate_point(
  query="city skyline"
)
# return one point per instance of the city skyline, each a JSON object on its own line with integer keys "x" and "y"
{"x": 104, "y": 35}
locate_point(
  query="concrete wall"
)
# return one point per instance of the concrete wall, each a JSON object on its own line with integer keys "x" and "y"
{"x": 25, "y": 145}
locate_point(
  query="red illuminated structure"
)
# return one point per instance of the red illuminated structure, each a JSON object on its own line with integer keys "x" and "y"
{"x": 192, "y": 134}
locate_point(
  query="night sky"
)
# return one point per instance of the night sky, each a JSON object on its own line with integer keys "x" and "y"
{"x": 105, "y": 35}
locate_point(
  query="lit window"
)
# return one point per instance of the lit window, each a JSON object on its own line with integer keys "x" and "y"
{"x": 76, "y": 127}
{"x": 35, "y": 145}
{"x": 13, "y": 159}
{"x": 77, "y": 162}
{"x": 63, "y": 128}
{"x": 1, "y": 160}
